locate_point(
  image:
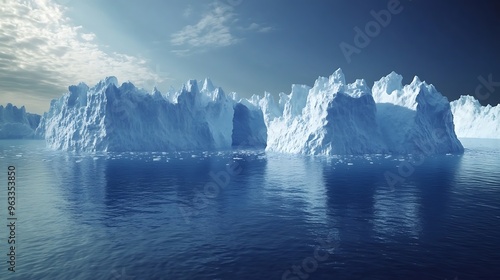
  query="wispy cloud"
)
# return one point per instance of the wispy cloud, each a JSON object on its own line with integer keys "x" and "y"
{"x": 188, "y": 11}
{"x": 42, "y": 52}
{"x": 215, "y": 29}
{"x": 211, "y": 31}
{"x": 258, "y": 28}
{"x": 88, "y": 36}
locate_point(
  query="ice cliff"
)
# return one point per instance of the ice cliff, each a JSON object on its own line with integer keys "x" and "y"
{"x": 414, "y": 116}
{"x": 332, "y": 117}
{"x": 16, "y": 123}
{"x": 475, "y": 121}
{"x": 112, "y": 117}
{"x": 329, "y": 118}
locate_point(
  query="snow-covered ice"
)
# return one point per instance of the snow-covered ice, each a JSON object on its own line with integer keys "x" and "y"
{"x": 475, "y": 121}
{"x": 16, "y": 123}
{"x": 330, "y": 118}
{"x": 334, "y": 117}
{"x": 414, "y": 117}
{"x": 109, "y": 117}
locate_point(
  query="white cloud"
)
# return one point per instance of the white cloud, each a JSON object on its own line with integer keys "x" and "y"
{"x": 188, "y": 11}
{"x": 265, "y": 29}
{"x": 88, "y": 36}
{"x": 258, "y": 28}
{"x": 215, "y": 29}
{"x": 253, "y": 26}
{"x": 42, "y": 52}
{"x": 211, "y": 31}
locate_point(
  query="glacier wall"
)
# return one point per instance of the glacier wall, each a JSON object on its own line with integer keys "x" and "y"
{"x": 475, "y": 121}
{"x": 334, "y": 117}
{"x": 16, "y": 123}
{"x": 330, "y": 118}
{"x": 108, "y": 117}
{"x": 414, "y": 117}
{"x": 249, "y": 130}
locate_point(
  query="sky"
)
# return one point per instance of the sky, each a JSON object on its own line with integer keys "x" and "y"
{"x": 245, "y": 46}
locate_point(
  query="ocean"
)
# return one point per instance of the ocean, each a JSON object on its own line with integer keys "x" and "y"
{"x": 248, "y": 214}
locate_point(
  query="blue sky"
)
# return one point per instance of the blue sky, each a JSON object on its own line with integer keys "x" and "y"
{"x": 247, "y": 46}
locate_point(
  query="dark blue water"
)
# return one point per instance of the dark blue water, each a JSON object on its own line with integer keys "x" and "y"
{"x": 184, "y": 216}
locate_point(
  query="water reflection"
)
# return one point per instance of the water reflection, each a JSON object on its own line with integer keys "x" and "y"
{"x": 295, "y": 182}
{"x": 364, "y": 206}
{"x": 350, "y": 188}
{"x": 122, "y": 210}
{"x": 80, "y": 180}
{"x": 433, "y": 182}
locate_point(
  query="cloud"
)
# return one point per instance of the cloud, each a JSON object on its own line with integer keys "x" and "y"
{"x": 188, "y": 11}
{"x": 265, "y": 29}
{"x": 215, "y": 29}
{"x": 211, "y": 31}
{"x": 42, "y": 52}
{"x": 88, "y": 36}
{"x": 258, "y": 28}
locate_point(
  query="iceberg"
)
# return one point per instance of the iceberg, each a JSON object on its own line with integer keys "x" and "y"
{"x": 414, "y": 117}
{"x": 330, "y": 118}
{"x": 475, "y": 121}
{"x": 249, "y": 130}
{"x": 109, "y": 117}
{"x": 16, "y": 123}
{"x": 334, "y": 117}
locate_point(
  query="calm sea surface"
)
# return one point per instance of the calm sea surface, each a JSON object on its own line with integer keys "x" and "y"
{"x": 251, "y": 215}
